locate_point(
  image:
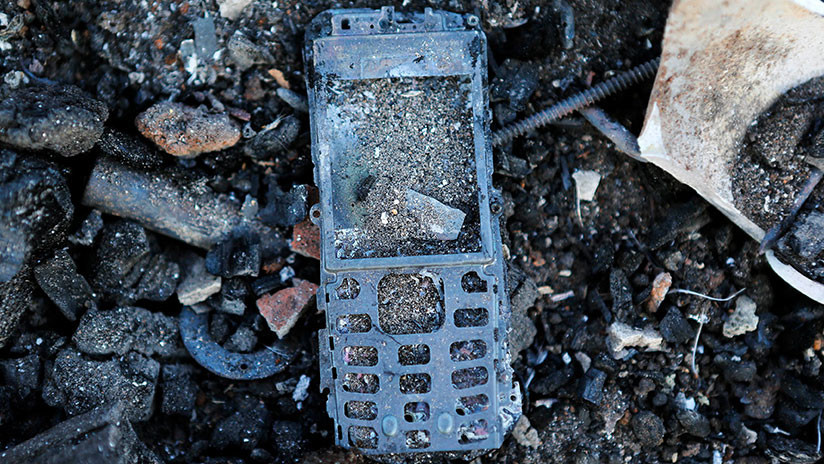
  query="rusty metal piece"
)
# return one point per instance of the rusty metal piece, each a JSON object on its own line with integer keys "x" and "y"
{"x": 194, "y": 329}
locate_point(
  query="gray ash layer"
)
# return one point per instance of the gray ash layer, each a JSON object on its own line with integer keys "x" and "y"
{"x": 412, "y": 133}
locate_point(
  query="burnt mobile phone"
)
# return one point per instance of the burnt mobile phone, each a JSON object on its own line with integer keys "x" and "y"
{"x": 415, "y": 354}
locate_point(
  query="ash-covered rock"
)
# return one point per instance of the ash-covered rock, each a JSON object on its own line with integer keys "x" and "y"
{"x": 178, "y": 389}
{"x": 127, "y": 328}
{"x": 101, "y": 436}
{"x": 197, "y": 285}
{"x": 58, "y": 118}
{"x": 237, "y": 255}
{"x": 35, "y": 210}
{"x": 129, "y": 266}
{"x": 59, "y": 279}
{"x": 245, "y": 428}
{"x": 78, "y": 384}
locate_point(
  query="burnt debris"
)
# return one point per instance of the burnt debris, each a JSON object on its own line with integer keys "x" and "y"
{"x": 158, "y": 280}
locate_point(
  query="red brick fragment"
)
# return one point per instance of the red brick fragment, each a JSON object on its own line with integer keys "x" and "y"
{"x": 306, "y": 239}
{"x": 283, "y": 308}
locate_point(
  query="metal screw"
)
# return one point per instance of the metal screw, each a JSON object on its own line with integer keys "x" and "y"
{"x": 576, "y": 102}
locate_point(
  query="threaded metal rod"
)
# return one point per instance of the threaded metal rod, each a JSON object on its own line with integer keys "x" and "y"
{"x": 576, "y": 102}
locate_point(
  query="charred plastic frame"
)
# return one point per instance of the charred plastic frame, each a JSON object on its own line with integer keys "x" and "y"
{"x": 415, "y": 354}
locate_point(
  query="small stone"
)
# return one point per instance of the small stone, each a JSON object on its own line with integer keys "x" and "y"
{"x": 246, "y": 53}
{"x": 621, "y": 336}
{"x": 186, "y": 132}
{"x": 675, "y": 328}
{"x": 297, "y": 101}
{"x": 282, "y": 309}
{"x": 620, "y": 291}
{"x": 306, "y": 239}
{"x": 237, "y": 255}
{"x": 231, "y": 9}
{"x": 439, "y": 221}
{"x": 694, "y": 423}
{"x": 179, "y": 390}
{"x": 101, "y": 436}
{"x": 242, "y": 341}
{"x": 591, "y": 388}
{"x": 525, "y": 434}
{"x": 197, "y": 284}
{"x": 60, "y": 281}
{"x": 129, "y": 267}
{"x": 735, "y": 370}
{"x": 88, "y": 230}
{"x": 232, "y": 298}
{"x": 22, "y": 374}
{"x": 58, "y": 118}
{"x": 660, "y": 287}
{"x": 648, "y": 428}
{"x": 274, "y": 138}
{"x": 586, "y": 183}
{"x": 127, "y": 328}
{"x": 243, "y": 429}
{"x": 78, "y": 384}
{"x": 288, "y": 439}
{"x": 285, "y": 209}
{"x": 673, "y": 261}
{"x": 743, "y": 318}
{"x": 803, "y": 395}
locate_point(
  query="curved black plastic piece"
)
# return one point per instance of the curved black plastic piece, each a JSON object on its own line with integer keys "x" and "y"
{"x": 194, "y": 328}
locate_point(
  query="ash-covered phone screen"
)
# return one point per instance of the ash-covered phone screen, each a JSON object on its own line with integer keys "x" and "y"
{"x": 403, "y": 170}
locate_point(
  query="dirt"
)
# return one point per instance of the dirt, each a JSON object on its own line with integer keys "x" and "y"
{"x": 412, "y": 133}
{"x": 771, "y": 165}
{"x": 409, "y": 304}
{"x": 759, "y": 392}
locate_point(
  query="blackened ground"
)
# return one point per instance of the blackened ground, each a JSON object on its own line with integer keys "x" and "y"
{"x": 757, "y": 395}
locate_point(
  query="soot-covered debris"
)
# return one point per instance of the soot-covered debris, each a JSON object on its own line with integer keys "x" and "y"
{"x": 620, "y": 355}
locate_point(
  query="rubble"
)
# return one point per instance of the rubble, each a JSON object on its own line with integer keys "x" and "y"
{"x": 274, "y": 138}
{"x": 127, "y": 328}
{"x": 621, "y": 336}
{"x": 186, "y": 132}
{"x": 648, "y": 428}
{"x": 196, "y": 285}
{"x": 743, "y": 319}
{"x": 78, "y": 384}
{"x": 244, "y": 428}
{"x": 757, "y": 394}
{"x": 285, "y": 209}
{"x": 660, "y": 287}
{"x": 282, "y": 309}
{"x": 59, "y": 279}
{"x": 101, "y": 436}
{"x": 130, "y": 267}
{"x": 586, "y": 183}
{"x": 239, "y": 254}
{"x": 525, "y": 434}
{"x": 179, "y": 390}
{"x": 61, "y": 119}
{"x": 306, "y": 239}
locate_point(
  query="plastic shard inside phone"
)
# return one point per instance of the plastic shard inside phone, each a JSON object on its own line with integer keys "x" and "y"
{"x": 415, "y": 353}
